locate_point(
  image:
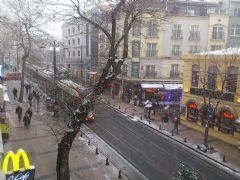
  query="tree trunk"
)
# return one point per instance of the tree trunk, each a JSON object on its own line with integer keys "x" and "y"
{"x": 206, "y": 134}
{"x": 22, "y": 80}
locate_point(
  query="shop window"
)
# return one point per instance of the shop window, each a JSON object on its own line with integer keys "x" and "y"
{"x": 226, "y": 122}
{"x": 192, "y": 112}
{"x": 212, "y": 77}
{"x": 135, "y": 69}
{"x": 195, "y": 75}
{"x": 232, "y": 75}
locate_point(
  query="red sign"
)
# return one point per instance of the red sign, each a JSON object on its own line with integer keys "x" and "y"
{"x": 227, "y": 115}
{"x": 192, "y": 106}
{"x": 150, "y": 90}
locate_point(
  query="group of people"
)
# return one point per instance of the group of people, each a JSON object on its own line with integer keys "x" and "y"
{"x": 31, "y": 93}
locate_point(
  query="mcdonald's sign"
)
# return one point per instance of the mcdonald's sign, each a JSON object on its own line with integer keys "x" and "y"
{"x": 17, "y": 173}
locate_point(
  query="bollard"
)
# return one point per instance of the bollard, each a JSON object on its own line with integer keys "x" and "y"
{"x": 185, "y": 139}
{"x": 172, "y": 133}
{"x": 224, "y": 159}
{"x": 119, "y": 174}
{"x": 119, "y": 107}
{"x": 107, "y": 163}
{"x": 96, "y": 151}
{"x": 141, "y": 117}
{"x": 81, "y": 134}
{"x": 132, "y": 113}
{"x": 88, "y": 142}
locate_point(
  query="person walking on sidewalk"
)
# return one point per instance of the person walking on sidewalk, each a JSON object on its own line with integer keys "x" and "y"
{"x": 19, "y": 112}
{"x": 165, "y": 120}
{"x": 15, "y": 93}
{"x": 27, "y": 117}
{"x": 176, "y": 122}
{"x": 154, "y": 106}
{"x": 26, "y": 87}
{"x": 30, "y": 97}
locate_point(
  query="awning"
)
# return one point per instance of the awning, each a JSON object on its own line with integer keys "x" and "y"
{"x": 173, "y": 86}
{"x": 151, "y": 86}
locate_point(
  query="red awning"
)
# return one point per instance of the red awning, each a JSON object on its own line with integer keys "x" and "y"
{"x": 150, "y": 90}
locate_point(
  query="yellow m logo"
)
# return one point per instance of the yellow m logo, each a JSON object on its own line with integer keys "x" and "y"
{"x": 15, "y": 161}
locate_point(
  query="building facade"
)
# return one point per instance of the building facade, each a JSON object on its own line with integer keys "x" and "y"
{"x": 215, "y": 76}
{"x": 77, "y": 48}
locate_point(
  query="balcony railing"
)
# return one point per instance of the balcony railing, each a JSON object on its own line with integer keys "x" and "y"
{"x": 194, "y": 36}
{"x": 174, "y": 75}
{"x": 176, "y": 34}
{"x": 214, "y": 95}
{"x": 151, "y": 53}
{"x": 151, "y": 74}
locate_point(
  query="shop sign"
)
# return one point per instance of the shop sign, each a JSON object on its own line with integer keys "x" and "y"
{"x": 227, "y": 115}
{"x": 150, "y": 90}
{"x": 192, "y": 106}
{"x": 26, "y": 173}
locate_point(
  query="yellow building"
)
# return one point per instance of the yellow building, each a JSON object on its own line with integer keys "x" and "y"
{"x": 214, "y": 75}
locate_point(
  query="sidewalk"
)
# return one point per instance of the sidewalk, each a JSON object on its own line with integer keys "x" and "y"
{"x": 41, "y": 145}
{"x": 193, "y": 138}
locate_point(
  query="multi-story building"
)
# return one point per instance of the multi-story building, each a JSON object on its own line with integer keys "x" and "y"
{"x": 77, "y": 46}
{"x": 215, "y": 76}
{"x": 234, "y": 24}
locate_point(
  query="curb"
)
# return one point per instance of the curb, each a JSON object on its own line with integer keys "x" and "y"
{"x": 181, "y": 142}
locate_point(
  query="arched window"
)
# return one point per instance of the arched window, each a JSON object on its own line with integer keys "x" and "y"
{"x": 212, "y": 77}
{"x": 195, "y": 75}
{"x": 232, "y": 76}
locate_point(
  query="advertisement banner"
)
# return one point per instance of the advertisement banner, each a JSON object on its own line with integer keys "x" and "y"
{"x": 26, "y": 173}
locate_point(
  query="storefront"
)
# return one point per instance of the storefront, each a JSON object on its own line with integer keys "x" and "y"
{"x": 226, "y": 123}
{"x": 192, "y": 112}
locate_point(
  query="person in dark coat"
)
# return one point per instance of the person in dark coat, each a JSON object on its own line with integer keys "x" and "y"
{"x": 176, "y": 122}
{"x": 15, "y": 93}
{"x": 19, "y": 112}
{"x": 26, "y": 87}
{"x": 165, "y": 120}
{"x": 30, "y": 97}
{"x": 154, "y": 106}
{"x": 28, "y": 114}
{"x": 37, "y": 97}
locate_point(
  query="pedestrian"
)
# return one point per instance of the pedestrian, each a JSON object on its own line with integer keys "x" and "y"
{"x": 30, "y": 97}
{"x": 165, "y": 120}
{"x": 29, "y": 87}
{"x": 38, "y": 98}
{"x": 149, "y": 112}
{"x": 26, "y": 87}
{"x": 135, "y": 100}
{"x": 15, "y": 93}
{"x": 19, "y": 112}
{"x": 176, "y": 122}
{"x": 154, "y": 106}
{"x": 27, "y": 117}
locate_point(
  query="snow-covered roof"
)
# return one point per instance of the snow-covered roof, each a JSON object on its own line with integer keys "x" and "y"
{"x": 229, "y": 51}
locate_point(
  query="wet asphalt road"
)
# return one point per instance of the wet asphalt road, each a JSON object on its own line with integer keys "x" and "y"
{"x": 152, "y": 153}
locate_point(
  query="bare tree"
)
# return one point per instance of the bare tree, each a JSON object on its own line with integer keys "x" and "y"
{"x": 107, "y": 16}
{"x": 217, "y": 83}
{"x": 24, "y": 20}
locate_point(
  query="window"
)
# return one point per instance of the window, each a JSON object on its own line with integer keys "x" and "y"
{"x": 136, "y": 29}
{"x": 174, "y": 73}
{"x": 177, "y": 32}
{"x": 211, "y": 11}
{"x": 193, "y": 49}
{"x": 151, "y": 49}
{"x": 68, "y": 31}
{"x": 79, "y": 53}
{"x": 69, "y": 42}
{"x": 78, "y": 40}
{"x": 194, "y": 32}
{"x": 69, "y": 53}
{"x": 217, "y": 32}
{"x": 212, "y": 77}
{"x": 78, "y": 27}
{"x": 216, "y": 47}
{"x": 73, "y": 53}
{"x": 232, "y": 75}
{"x": 152, "y": 28}
{"x": 236, "y": 12}
{"x": 135, "y": 69}
{"x": 151, "y": 71}
{"x": 195, "y": 75}
{"x": 124, "y": 71}
{"x": 191, "y": 12}
{"x": 135, "y": 48}
{"x": 73, "y": 41}
{"x": 176, "y": 50}
{"x": 235, "y": 31}
{"x": 73, "y": 29}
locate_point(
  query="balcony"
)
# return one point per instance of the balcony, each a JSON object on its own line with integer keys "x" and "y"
{"x": 194, "y": 36}
{"x": 151, "y": 53}
{"x": 218, "y": 36}
{"x": 177, "y": 35}
{"x": 214, "y": 95}
{"x": 174, "y": 74}
{"x": 150, "y": 74}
